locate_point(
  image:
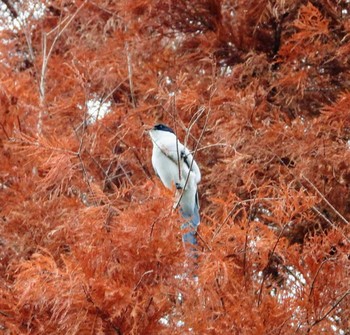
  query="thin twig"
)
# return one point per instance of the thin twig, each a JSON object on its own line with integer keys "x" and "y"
{"x": 109, "y": 216}
{"x": 46, "y": 57}
{"x": 315, "y": 209}
{"x": 61, "y": 21}
{"x": 319, "y": 193}
{"x": 204, "y": 241}
{"x": 86, "y": 177}
{"x": 330, "y": 309}
{"x": 29, "y": 43}
{"x": 131, "y": 84}
{"x": 79, "y": 155}
{"x": 212, "y": 145}
{"x": 134, "y": 151}
{"x": 103, "y": 9}
{"x": 316, "y": 275}
{"x": 195, "y": 150}
{"x": 278, "y": 238}
{"x": 101, "y": 313}
{"x": 212, "y": 92}
{"x": 193, "y": 121}
{"x": 29, "y": 141}
{"x": 269, "y": 261}
{"x": 273, "y": 330}
{"x": 5, "y": 314}
{"x": 4, "y": 130}
{"x": 140, "y": 280}
{"x": 19, "y": 124}
{"x": 105, "y": 173}
{"x": 112, "y": 91}
{"x": 126, "y": 174}
{"x": 217, "y": 231}
{"x": 245, "y": 253}
{"x": 63, "y": 28}
{"x": 173, "y": 108}
{"x": 325, "y": 200}
{"x": 293, "y": 274}
{"x": 152, "y": 228}
{"x": 11, "y": 8}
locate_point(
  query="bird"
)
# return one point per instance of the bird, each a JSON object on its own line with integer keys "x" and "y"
{"x": 175, "y": 166}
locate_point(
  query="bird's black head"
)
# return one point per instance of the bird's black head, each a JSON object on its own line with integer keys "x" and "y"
{"x": 163, "y": 127}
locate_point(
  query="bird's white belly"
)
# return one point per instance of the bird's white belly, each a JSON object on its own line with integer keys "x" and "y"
{"x": 166, "y": 169}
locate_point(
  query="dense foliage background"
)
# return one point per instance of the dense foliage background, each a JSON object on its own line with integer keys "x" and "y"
{"x": 259, "y": 89}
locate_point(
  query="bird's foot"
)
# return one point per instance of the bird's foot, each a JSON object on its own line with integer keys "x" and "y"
{"x": 178, "y": 186}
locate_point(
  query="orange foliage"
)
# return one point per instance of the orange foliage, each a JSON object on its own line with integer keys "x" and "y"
{"x": 89, "y": 241}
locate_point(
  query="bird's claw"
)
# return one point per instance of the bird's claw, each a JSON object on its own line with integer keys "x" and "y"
{"x": 178, "y": 186}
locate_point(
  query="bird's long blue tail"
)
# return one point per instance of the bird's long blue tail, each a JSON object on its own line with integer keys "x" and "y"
{"x": 190, "y": 237}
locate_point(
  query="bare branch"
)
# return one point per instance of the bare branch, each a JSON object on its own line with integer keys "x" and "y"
{"x": 11, "y": 8}
{"x": 269, "y": 261}
{"x": 198, "y": 142}
{"x": 131, "y": 83}
{"x": 325, "y": 200}
{"x": 46, "y": 58}
{"x": 140, "y": 280}
{"x": 316, "y": 275}
{"x": 330, "y": 310}
{"x": 173, "y": 109}
{"x": 317, "y": 211}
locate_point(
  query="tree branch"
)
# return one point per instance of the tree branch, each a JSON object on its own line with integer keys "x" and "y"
{"x": 11, "y": 8}
{"x": 330, "y": 310}
{"x": 325, "y": 200}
